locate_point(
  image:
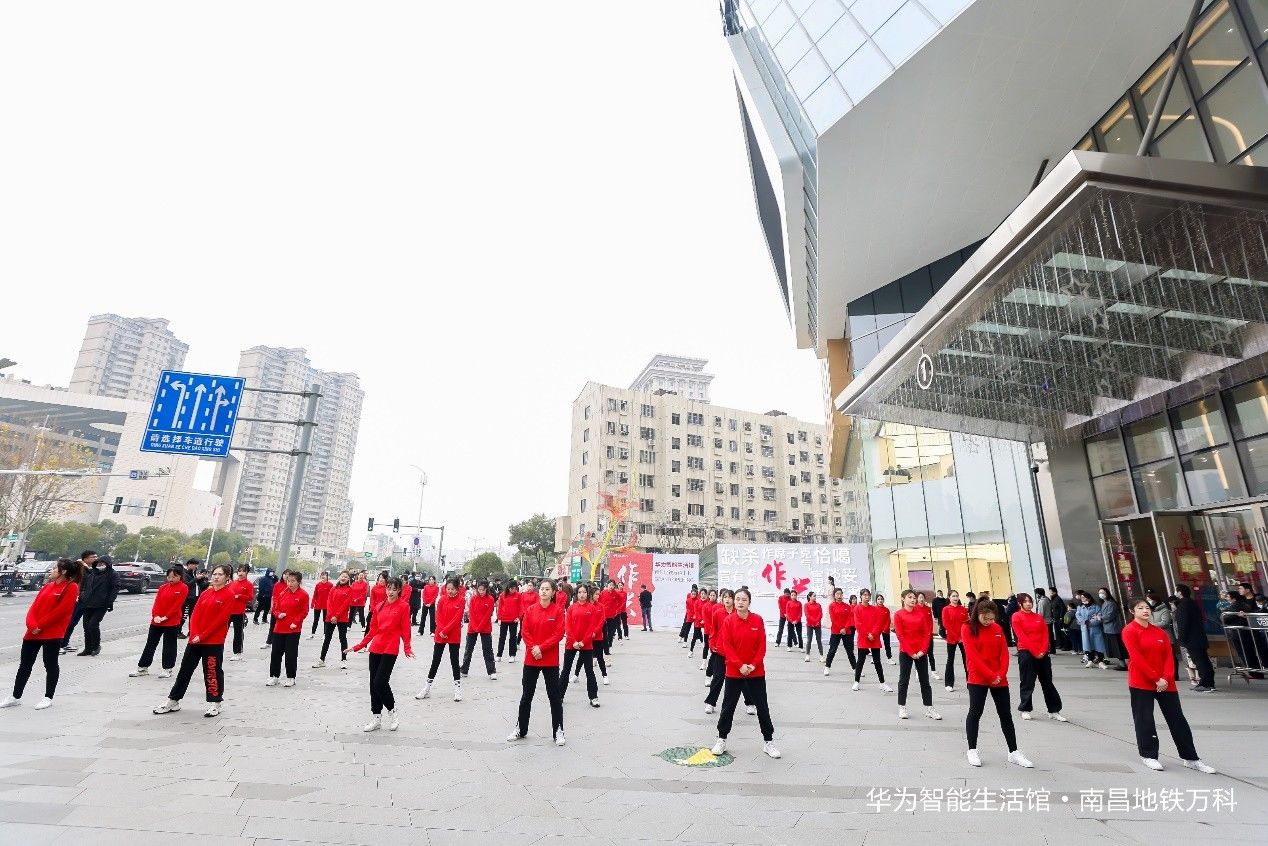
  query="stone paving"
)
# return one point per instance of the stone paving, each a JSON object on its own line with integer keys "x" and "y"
{"x": 292, "y": 765}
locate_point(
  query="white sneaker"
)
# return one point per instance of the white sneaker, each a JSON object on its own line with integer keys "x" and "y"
{"x": 683, "y": 644}
{"x": 343, "y": 665}
{"x": 288, "y": 683}
{"x": 1025, "y": 715}
{"x": 514, "y": 736}
{"x": 425, "y": 692}
{"x": 854, "y": 686}
{"x": 886, "y": 688}
{"x": 1193, "y": 765}
{"x": 1152, "y": 763}
{"x": 213, "y": 710}
{"x": 393, "y": 722}
{"x": 975, "y": 760}
{"x": 168, "y": 707}
{"x": 932, "y": 714}
{"x": 769, "y": 748}
{"x": 457, "y": 691}
{"x": 273, "y": 681}
{"x": 234, "y": 658}
{"x": 708, "y": 682}
{"x": 708, "y": 709}
{"x": 719, "y": 747}
{"x": 890, "y": 661}
{"x": 317, "y": 665}
{"x": 750, "y": 709}
{"x": 605, "y": 679}
{"x": 821, "y": 659}
{"x": 560, "y": 740}
{"x": 10, "y": 701}
{"x": 312, "y": 635}
{"x": 511, "y": 660}
{"x": 704, "y": 663}
{"x": 807, "y": 659}
{"x": 166, "y": 674}
{"x": 376, "y": 722}
{"x": 902, "y": 713}
{"x": 265, "y": 645}
{"x": 499, "y": 659}
{"x": 826, "y": 671}
{"x": 138, "y": 672}
{"x": 594, "y": 703}
{"x": 1019, "y": 759}
{"x": 1057, "y": 716}
{"x": 950, "y": 689}
{"x": 45, "y": 702}
{"x": 493, "y": 676}
{"x": 934, "y": 675}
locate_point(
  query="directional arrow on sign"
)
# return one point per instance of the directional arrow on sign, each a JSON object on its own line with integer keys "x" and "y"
{"x": 180, "y": 404}
{"x": 221, "y": 402}
{"x": 199, "y": 390}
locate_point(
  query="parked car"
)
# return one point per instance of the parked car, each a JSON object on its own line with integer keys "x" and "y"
{"x": 132, "y": 578}
{"x": 33, "y": 574}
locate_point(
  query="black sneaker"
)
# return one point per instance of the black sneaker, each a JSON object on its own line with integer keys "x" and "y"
{"x": 1203, "y": 689}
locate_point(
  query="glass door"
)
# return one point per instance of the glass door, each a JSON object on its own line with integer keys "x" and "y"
{"x": 1238, "y": 544}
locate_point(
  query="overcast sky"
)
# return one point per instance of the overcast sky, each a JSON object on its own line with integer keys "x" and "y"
{"x": 476, "y": 207}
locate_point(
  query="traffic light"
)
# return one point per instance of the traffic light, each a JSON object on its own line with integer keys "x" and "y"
{"x": 153, "y": 508}
{"x": 118, "y": 504}
{"x": 396, "y": 524}
{"x": 369, "y": 527}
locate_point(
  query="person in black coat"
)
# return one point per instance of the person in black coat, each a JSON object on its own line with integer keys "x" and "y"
{"x": 96, "y": 597}
{"x": 1191, "y": 635}
{"x": 645, "y": 607}
{"x": 939, "y": 602}
{"x": 416, "y": 585}
{"x": 264, "y": 597}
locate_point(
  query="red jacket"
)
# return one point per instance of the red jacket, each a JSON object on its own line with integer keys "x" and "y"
{"x": 1031, "y": 632}
{"x": 480, "y": 614}
{"x": 449, "y": 619}
{"x": 782, "y": 602}
{"x": 610, "y": 601}
{"x": 169, "y": 601}
{"x": 887, "y": 618}
{"x": 986, "y": 655}
{"x": 841, "y": 617}
{"x": 292, "y": 603}
{"x": 378, "y": 595}
{"x": 792, "y": 609}
{"x": 389, "y": 629}
{"x": 1149, "y": 649}
{"x": 543, "y": 628}
{"x": 814, "y": 614}
{"x": 868, "y": 620}
{"x": 562, "y": 599}
{"x": 580, "y": 621}
{"x": 243, "y": 591}
{"x": 600, "y": 634}
{"x": 321, "y": 590}
{"x": 210, "y": 619}
{"x": 508, "y": 606}
{"x": 703, "y": 609}
{"x": 52, "y": 609}
{"x": 690, "y": 616}
{"x": 338, "y": 603}
{"x": 527, "y": 599}
{"x": 745, "y": 644}
{"x": 360, "y": 590}
{"x": 717, "y": 643}
{"x": 406, "y": 591}
{"x": 953, "y": 619}
{"x": 430, "y": 592}
{"x": 915, "y": 630}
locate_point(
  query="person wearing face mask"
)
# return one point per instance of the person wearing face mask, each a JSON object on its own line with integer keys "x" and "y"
{"x": 96, "y": 598}
{"x": 1093, "y": 639}
{"x": 1112, "y": 626}
{"x": 338, "y": 618}
{"x": 208, "y": 625}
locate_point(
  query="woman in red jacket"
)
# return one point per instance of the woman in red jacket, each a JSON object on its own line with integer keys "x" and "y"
{"x": 954, "y": 616}
{"x": 378, "y": 594}
{"x": 780, "y": 603}
{"x": 1151, "y": 678}
{"x": 744, "y": 634}
{"x": 208, "y": 625}
{"x": 1034, "y": 661}
{"x": 321, "y": 591}
{"x": 600, "y": 640}
{"x": 290, "y": 607}
{"x": 697, "y": 625}
{"x": 508, "y": 612}
{"x": 717, "y": 653}
{"x": 688, "y": 615}
{"x": 986, "y": 652}
{"x": 707, "y": 615}
{"x": 868, "y": 620}
{"x": 165, "y": 623}
{"x": 431, "y": 592}
{"x": 243, "y": 592}
{"x": 580, "y": 623}
{"x": 360, "y": 590}
{"x": 389, "y": 630}
{"x": 887, "y": 624}
{"x": 338, "y": 606}
{"x": 480, "y": 626}
{"x": 542, "y": 630}
{"x": 792, "y": 610}
{"x": 47, "y": 619}
{"x": 814, "y": 624}
{"x": 448, "y": 635}
{"x": 914, "y": 627}
{"x": 841, "y": 633}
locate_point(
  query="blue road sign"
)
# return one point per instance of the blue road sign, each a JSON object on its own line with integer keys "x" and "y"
{"x": 193, "y": 414}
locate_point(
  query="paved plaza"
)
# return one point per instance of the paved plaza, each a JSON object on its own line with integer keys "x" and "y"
{"x": 292, "y": 765}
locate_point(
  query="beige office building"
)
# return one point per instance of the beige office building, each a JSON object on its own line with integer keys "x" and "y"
{"x": 122, "y": 357}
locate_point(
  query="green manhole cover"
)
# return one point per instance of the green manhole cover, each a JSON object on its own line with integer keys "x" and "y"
{"x": 695, "y": 756}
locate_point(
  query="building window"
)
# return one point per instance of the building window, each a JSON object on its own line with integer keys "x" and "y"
{"x": 585, "y": 436}
{"x": 792, "y": 502}
{"x": 734, "y": 490}
{"x": 695, "y": 509}
{"x": 585, "y": 458}
{"x": 803, "y": 457}
{"x": 805, "y": 497}
{"x": 646, "y": 433}
{"x": 751, "y": 514}
{"x": 624, "y": 430}
{"x": 748, "y": 469}
{"x": 731, "y": 424}
{"x": 613, "y": 405}
{"x": 623, "y": 454}
{"x": 732, "y": 446}
{"x": 611, "y": 452}
{"x": 768, "y": 516}
{"x": 583, "y": 506}
{"x": 717, "y": 422}
{"x": 675, "y": 490}
{"x": 675, "y": 515}
{"x": 695, "y": 441}
{"x": 719, "y": 511}
{"x": 801, "y": 436}
{"x": 647, "y": 456}
{"x": 791, "y": 439}
{"x": 717, "y": 465}
{"x": 585, "y": 482}
{"x": 768, "y": 472}
{"x": 694, "y": 419}
{"x": 733, "y": 467}
{"x": 748, "y": 448}
{"x": 735, "y": 513}
{"x": 717, "y": 443}
{"x": 611, "y": 427}
{"x": 719, "y": 488}
{"x": 792, "y": 480}
{"x": 585, "y": 415}
{"x": 805, "y": 477}
{"x": 768, "y": 451}
{"x": 794, "y": 524}
{"x": 648, "y": 410}
{"x": 674, "y": 419}
{"x": 695, "y": 485}
{"x": 768, "y": 494}
{"x": 646, "y": 480}
{"x": 675, "y": 467}
{"x": 647, "y": 505}
{"x": 792, "y": 460}
{"x": 695, "y": 462}
{"x": 675, "y": 443}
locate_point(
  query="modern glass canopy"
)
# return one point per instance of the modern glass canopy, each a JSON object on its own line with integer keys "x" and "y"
{"x": 1117, "y": 279}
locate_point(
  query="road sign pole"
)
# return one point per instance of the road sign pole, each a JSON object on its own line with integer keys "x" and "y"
{"x": 297, "y": 478}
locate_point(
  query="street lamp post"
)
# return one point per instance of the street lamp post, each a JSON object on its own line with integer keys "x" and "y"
{"x": 422, "y": 488}
{"x": 140, "y": 538}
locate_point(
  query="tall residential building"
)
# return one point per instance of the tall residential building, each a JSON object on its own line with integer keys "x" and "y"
{"x": 258, "y": 485}
{"x": 678, "y": 373}
{"x": 1027, "y": 239}
{"x": 701, "y": 473}
{"x": 122, "y": 357}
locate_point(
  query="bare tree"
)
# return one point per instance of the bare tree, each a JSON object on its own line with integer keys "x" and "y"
{"x": 45, "y": 482}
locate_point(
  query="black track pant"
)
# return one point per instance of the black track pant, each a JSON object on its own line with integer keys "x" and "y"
{"x": 78, "y": 615}
{"x": 697, "y": 635}
{"x": 905, "y": 663}
{"x": 505, "y": 629}
{"x": 949, "y": 667}
{"x": 814, "y": 633}
{"x": 754, "y": 690}
{"x": 261, "y": 607}
{"x": 92, "y": 628}
{"x": 427, "y": 612}
{"x": 168, "y": 635}
{"x": 624, "y": 618}
{"x": 342, "y": 628}
{"x": 779, "y": 633}
{"x": 357, "y": 614}
{"x": 212, "y": 657}
{"x": 553, "y": 694}
{"x": 284, "y": 646}
{"x": 31, "y": 648}
{"x": 977, "y": 704}
{"x": 885, "y": 640}
{"x": 585, "y": 660}
{"x": 933, "y": 662}
{"x": 1032, "y": 669}
{"x": 717, "y": 676}
{"x": 380, "y": 679}
{"x": 1206, "y": 670}
{"x": 876, "y": 662}
{"x": 319, "y": 614}
{"x": 238, "y": 622}
{"x": 437, "y": 653}
{"x": 486, "y": 648}
{"x": 612, "y": 632}
{"x": 1147, "y": 733}
{"x": 846, "y": 640}
{"x": 685, "y": 630}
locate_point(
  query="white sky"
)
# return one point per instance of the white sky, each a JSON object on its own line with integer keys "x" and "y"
{"x": 477, "y": 207}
